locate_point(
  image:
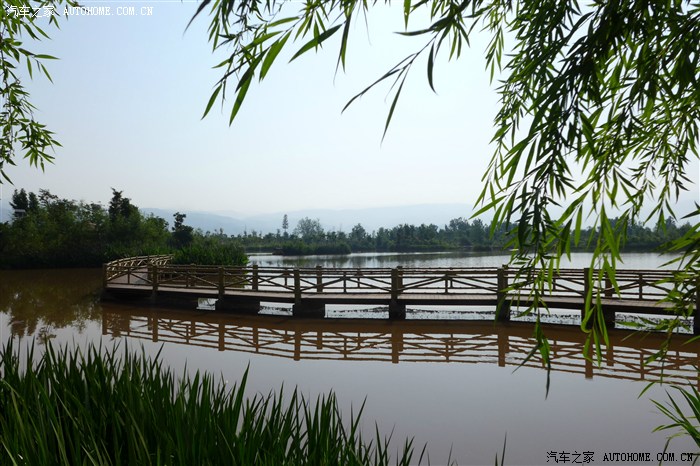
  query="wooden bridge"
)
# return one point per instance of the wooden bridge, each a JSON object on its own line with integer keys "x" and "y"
{"x": 627, "y": 356}
{"x": 309, "y": 290}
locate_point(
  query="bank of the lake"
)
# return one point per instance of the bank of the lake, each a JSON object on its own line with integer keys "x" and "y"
{"x": 47, "y": 231}
{"x": 445, "y": 386}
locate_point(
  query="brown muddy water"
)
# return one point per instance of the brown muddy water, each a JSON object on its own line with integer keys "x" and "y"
{"x": 452, "y": 385}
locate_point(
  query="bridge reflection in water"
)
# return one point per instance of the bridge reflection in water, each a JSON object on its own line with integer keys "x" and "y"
{"x": 409, "y": 341}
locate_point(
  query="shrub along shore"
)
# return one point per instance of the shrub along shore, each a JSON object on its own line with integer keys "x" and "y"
{"x": 49, "y": 232}
{"x": 97, "y": 406}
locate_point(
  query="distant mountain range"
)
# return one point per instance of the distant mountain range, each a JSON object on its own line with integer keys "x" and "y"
{"x": 344, "y": 219}
{"x": 331, "y": 220}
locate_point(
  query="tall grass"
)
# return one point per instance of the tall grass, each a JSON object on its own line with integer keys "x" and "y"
{"x": 97, "y": 406}
{"x": 685, "y": 425}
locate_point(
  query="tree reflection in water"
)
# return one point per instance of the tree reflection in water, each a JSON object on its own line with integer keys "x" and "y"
{"x": 39, "y": 301}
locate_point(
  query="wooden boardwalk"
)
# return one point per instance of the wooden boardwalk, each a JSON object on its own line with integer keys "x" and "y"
{"x": 309, "y": 290}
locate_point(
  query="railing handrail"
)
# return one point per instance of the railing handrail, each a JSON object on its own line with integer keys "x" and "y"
{"x": 156, "y": 258}
{"x": 127, "y": 265}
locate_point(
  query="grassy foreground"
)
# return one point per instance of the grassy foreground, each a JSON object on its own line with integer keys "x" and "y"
{"x": 93, "y": 406}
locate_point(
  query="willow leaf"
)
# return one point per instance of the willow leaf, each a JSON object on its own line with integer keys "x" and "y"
{"x": 317, "y": 40}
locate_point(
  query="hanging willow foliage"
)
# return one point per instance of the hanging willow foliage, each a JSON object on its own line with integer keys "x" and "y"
{"x": 599, "y": 111}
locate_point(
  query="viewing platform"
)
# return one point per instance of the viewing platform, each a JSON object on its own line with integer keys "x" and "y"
{"x": 154, "y": 280}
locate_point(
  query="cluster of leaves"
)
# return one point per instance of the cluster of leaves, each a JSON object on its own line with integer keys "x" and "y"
{"x": 51, "y": 232}
{"x": 609, "y": 98}
{"x": 19, "y": 128}
{"x": 97, "y": 406}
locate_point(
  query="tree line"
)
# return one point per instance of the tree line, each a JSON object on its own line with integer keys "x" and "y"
{"x": 47, "y": 231}
{"x": 309, "y": 237}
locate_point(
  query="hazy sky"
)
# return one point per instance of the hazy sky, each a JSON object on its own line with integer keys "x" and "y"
{"x": 129, "y": 92}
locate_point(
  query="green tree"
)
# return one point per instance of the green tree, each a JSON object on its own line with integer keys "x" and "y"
{"x": 359, "y": 239}
{"x": 309, "y": 229}
{"x": 182, "y": 234}
{"x": 120, "y": 207}
{"x": 19, "y": 203}
{"x": 608, "y": 92}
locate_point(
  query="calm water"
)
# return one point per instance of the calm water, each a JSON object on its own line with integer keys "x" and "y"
{"x": 451, "y": 385}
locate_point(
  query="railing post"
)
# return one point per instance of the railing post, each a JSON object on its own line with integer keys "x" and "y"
{"x": 641, "y": 283}
{"x": 319, "y": 279}
{"x": 608, "y": 287}
{"x": 345, "y": 282}
{"x": 221, "y": 283}
{"x": 256, "y": 277}
{"x": 396, "y": 310}
{"x": 309, "y": 307}
{"x": 502, "y": 303}
{"x": 297, "y": 286}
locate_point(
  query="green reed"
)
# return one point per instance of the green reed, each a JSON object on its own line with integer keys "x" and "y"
{"x": 682, "y": 423}
{"x": 97, "y": 406}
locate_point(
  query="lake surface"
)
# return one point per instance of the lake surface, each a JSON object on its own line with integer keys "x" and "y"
{"x": 452, "y": 384}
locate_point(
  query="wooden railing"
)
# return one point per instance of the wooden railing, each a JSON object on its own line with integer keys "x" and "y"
{"x": 156, "y": 271}
{"x": 133, "y": 269}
